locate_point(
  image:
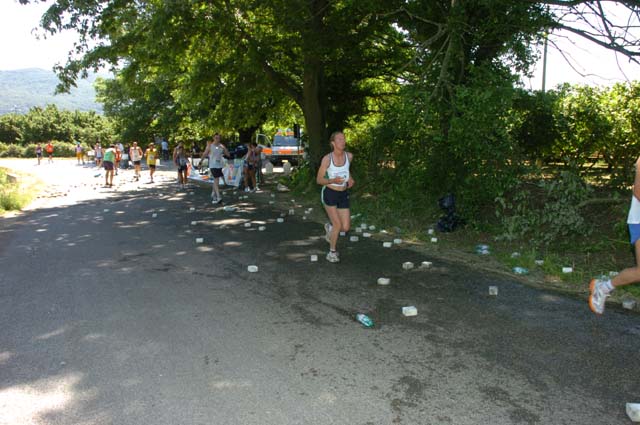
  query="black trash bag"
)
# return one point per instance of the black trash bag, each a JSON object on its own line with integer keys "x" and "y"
{"x": 450, "y": 221}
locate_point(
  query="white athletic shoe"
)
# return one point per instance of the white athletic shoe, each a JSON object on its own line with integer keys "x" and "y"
{"x": 327, "y": 230}
{"x": 333, "y": 257}
{"x": 598, "y": 295}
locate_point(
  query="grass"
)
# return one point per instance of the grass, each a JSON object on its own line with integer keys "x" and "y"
{"x": 13, "y": 196}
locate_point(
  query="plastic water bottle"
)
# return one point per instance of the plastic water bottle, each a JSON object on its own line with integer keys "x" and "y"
{"x": 364, "y": 319}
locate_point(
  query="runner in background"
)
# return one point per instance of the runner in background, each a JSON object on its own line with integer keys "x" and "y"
{"x": 135, "y": 153}
{"x": 181, "y": 160}
{"x": 49, "y": 150}
{"x": 215, "y": 151}
{"x": 39, "y": 152}
{"x": 98, "y": 152}
{"x": 79, "y": 153}
{"x": 151, "y": 156}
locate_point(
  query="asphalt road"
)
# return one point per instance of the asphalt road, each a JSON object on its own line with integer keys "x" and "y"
{"x": 109, "y": 315}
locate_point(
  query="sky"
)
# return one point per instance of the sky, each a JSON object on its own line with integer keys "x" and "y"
{"x": 21, "y": 49}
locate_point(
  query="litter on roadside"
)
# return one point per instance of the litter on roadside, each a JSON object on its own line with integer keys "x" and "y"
{"x": 365, "y": 320}
{"x": 353, "y": 239}
{"x": 409, "y": 311}
{"x": 628, "y": 304}
{"x": 426, "y": 264}
{"x": 387, "y": 244}
{"x": 407, "y": 265}
{"x": 397, "y": 241}
{"x": 493, "y": 290}
{"x": 366, "y": 235}
{"x": 520, "y": 270}
{"x": 199, "y": 240}
{"x": 633, "y": 411}
{"x": 314, "y": 258}
{"x": 567, "y": 270}
{"x": 383, "y": 281}
{"x": 252, "y": 269}
{"x": 280, "y": 220}
{"x": 262, "y": 228}
{"x": 434, "y": 240}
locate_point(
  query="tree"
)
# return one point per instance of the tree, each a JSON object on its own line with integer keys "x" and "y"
{"x": 324, "y": 57}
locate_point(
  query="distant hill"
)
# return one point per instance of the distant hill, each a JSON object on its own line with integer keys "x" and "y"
{"x": 23, "y": 89}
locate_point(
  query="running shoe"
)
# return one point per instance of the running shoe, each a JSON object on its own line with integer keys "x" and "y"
{"x": 327, "y": 230}
{"x": 598, "y": 295}
{"x": 333, "y": 257}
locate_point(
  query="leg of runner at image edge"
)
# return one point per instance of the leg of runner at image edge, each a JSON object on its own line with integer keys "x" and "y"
{"x": 600, "y": 289}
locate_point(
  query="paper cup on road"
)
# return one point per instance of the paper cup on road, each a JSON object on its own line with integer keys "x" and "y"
{"x": 366, "y": 235}
{"x": 313, "y": 258}
{"x": 567, "y": 270}
{"x": 193, "y": 223}
{"x": 292, "y": 211}
{"x": 192, "y": 209}
{"x": 199, "y": 240}
{"x": 407, "y": 265}
{"x": 358, "y": 230}
{"x": 397, "y": 241}
{"x": 154, "y": 215}
{"x": 247, "y": 224}
{"x": 106, "y": 210}
{"x": 262, "y": 228}
{"x": 633, "y": 411}
{"x": 628, "y": 304}
{"x": 430, "y": 231}
{"x": 280, "y": 220}
{"x": 252, "y": 269}
{"x": 409, "y": 311}
{"x": 426, "y": 264}
{"x": 493, "y": 290}
{"x": 387, "y": 244}
{"x": 353, "y": 239}
{"x": 343, "y": 233}
{"x": 434, "y": 240}
{"x": 272, "y": 202}
{"x": 383, "y": 281}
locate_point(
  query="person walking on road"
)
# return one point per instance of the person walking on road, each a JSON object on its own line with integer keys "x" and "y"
{"x": 600, "y": 289}
{"x": 336, "y": 180}
{"x": 151, "y": 156}
{"x": 181, "y": 160}
{"x": 135, "y": 153}
{"x": 216, "y": 151}
{"x": 109, "y": 164}
{"x": 39, "y": 152}
{"x": 49, "y": 150}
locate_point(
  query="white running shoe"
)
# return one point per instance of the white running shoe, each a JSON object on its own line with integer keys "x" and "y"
{"x": 327, "y": 230}
{"x": 333, "y": 257}
{"x": 598, "y": 295}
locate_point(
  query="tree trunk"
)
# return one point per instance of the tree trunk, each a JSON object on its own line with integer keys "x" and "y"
{"x": 314, "y": 109}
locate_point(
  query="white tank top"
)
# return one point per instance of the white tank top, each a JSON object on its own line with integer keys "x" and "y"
{"x": 334, "y": 171}
{"x": 634, "y": 211}
{"x": 135, "y": 154}
{"x": 215, "y": 156}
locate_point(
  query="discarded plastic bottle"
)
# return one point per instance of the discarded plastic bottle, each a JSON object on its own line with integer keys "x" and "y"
{"x": 364, "y": 319}
{"x": 520, "y": 270}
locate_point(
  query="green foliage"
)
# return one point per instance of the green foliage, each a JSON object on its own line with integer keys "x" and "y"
{"x": 50, "y": 123}
{"x": 12, "y": 196}
{"x": 61, "y": 150}
{"x": 546, "y": 211}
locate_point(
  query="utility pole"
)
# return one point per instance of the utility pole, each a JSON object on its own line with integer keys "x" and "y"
{"x": 544, "y": 63}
